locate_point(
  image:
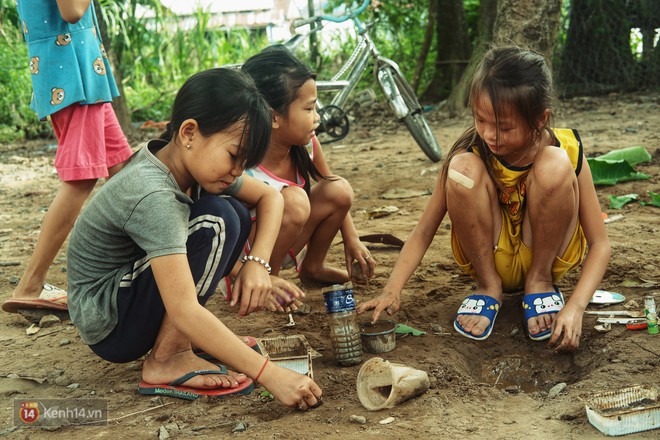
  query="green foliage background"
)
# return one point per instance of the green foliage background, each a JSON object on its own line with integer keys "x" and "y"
{"x": 153, "y": 56}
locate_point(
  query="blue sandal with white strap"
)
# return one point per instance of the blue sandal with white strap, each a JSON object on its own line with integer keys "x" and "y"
{"x": 536, "y": 304}
{"x": 482, "y": 305}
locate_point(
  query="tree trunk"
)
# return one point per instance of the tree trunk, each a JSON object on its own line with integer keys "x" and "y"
{"x": 426, "y": 44}
{"x": 528, "y": 23}
{"x": 597, "y": 57}
{"x": 453, "y": 49}
{"x": 119, "y": 104}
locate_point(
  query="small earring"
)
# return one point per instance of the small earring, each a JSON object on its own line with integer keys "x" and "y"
{"x": 188, "y": 147}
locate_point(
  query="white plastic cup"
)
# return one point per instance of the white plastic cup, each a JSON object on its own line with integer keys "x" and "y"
{"x": 383, "y": 384}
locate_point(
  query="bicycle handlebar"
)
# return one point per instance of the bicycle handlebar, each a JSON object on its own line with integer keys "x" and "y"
{"x": 351, "y": 14}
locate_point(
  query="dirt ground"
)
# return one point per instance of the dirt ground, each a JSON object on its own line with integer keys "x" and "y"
{"x": 497, "y": 388}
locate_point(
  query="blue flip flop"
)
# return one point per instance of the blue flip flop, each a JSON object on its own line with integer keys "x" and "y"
{"x": 175, "y": 389}
{"x": 536, "y": 304}
{"x": 483, "y": 305}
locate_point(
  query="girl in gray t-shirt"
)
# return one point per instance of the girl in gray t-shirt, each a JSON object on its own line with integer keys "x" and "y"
{"x": 144, "y": 257}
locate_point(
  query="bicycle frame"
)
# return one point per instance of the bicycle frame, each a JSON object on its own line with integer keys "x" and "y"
{"x": 353, "y": 68}
{"x": 400, "y": 97}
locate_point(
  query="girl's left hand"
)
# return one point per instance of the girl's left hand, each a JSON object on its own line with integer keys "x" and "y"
{"x": 286, "y": 296}
{"x": 360, "y": 254}
{"x": 566, "y": 329}
{"x": 252, "y": 286}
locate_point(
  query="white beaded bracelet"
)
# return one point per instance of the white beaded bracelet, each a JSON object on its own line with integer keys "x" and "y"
{"x": 261, "y": 261}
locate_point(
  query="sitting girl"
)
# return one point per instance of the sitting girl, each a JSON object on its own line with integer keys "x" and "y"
{"x": 313, "y": 213}
{"x": 144, "y": 257}
{"x": 522, "y": 204}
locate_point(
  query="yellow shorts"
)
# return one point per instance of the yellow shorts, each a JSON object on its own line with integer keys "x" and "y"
{"x": 513, "y": 259}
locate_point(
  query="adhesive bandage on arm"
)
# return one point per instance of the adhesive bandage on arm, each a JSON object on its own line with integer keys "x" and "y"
{"x": 460, "y": 178}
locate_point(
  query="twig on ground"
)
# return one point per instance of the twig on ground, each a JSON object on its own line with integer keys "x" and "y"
{"x": 645, "y": 349}
{"x": 139, "y": 412}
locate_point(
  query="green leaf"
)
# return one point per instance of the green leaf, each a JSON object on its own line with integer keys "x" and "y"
{"x": 610, "y": 172}
{"x": 267, "y": 394}
{"x": 632, "y": 155}
{"x": 655, "y": 199}
{"x": 617, "y": 202}
{"x": 402, "y": 329}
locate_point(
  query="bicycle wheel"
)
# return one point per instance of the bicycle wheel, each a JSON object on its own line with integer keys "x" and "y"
{"x": 403, "y": 103}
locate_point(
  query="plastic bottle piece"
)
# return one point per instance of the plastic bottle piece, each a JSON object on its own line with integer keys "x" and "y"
{"x": 344, "y": 331}
{"x": 651, "y": 315}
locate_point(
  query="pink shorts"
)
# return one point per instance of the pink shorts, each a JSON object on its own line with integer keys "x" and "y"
{"x": 89, "y": 141}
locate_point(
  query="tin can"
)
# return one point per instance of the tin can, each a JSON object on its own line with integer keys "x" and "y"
{"x": 651, "y": 315}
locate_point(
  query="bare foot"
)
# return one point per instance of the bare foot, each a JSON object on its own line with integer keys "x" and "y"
{"x": 542, "y": 309}
{"x": 165, "y": 371}
{"x": 324, "y": 275}
{"x": 476, "y": 324}
{"x": 541, "y": 323}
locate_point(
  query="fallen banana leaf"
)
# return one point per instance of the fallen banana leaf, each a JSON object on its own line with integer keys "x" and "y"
{"x": 618, "y": 202}
{"x": 655, "y": 199}
{"x": 617, "y": 166}
{"x": 610, "y": 172}
{"x": 632, "y": 155}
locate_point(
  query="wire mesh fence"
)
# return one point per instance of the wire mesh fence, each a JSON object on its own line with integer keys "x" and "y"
{"x": 608, "y": 46}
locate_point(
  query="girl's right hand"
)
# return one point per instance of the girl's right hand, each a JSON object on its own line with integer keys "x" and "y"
{"x": 387, "y": 301}
{"x": 252, "y": 287}
{"x": 292, "y": 389}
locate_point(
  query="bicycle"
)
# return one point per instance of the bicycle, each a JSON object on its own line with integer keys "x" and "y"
{"x": 400, "y": 96}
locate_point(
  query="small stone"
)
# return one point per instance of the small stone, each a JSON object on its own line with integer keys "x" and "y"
{"x": 156, "y": 401}
{"x": 632, "y": 305}
{"x": 433, "y": 382}
{"x": 73, "y": 386}
{"x": 64, "y": 342}
{"x": 515, "y": 330}
{"x": 239, "y": 427}
{"x": 513, "y": 389}
{"x": 163, "y": 434}
{"x": 62, "y": 381}
{"x": 55, "y": 373}
{"x": 31, "y": 330}
{"x": 49, "y": 321}
{"x": 554, "y": 391}
{"x": 172, "y": 428}
{"x": 358, "y": 419}
{"x": 387, "y": 421}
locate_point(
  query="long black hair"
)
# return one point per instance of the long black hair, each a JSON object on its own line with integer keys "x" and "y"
{"x": 217, "y": 99}
{"x": 279, "y": 75}
{"x": 509, "y": 76}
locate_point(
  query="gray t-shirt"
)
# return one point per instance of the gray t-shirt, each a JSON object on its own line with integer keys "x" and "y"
{"x": 141, "y": 213}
